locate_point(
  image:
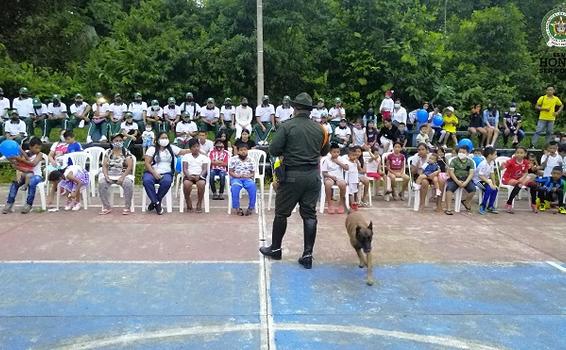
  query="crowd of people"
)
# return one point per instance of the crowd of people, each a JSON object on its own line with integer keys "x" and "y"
{"x": 360, "y": 151}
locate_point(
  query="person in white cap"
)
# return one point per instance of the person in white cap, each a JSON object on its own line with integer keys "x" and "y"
{"x": 79, "y": 113}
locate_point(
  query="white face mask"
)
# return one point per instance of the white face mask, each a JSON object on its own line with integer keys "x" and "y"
{"x": 512, "y": 109}
{"x": 397, "y": 105}
{"x": 163, "y": 142}
{"x": 462, "y": 156}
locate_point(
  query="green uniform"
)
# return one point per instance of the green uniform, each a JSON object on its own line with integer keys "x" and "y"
{"x": 300, "y": 141}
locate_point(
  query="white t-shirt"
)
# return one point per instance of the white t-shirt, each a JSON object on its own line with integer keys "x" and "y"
{"x": 24, "y": 107}
{"x": 15, "y": 129}
{"x": 183, "y": 127}
{"x": 37, "y": 167}
{"x": 137, "y": 110}
{"x": 387, "y": 105}
{"x": 164, "y": 164}
{"x": 317, "y": 113}
{"x": 332, "y": 168}
{"x": 210, "y": 114}
{"x": 4, "y": 105}
{"x": 342, "y": 133}
{"x": 37, "y": 112}
{"x": 283, "y": 114}
{"x": 484, "y": 169}
{"x": 195, "y": 164}
{"x": 551, "y": 162}
{"x": 118, "y": 111}
{"x": 228, "y": 113}
{"x": 172, "y": 113}
{"x": 417, "y": 161}
{"x": 206, "y": 147}
{"x": 74, "y": 169}
{"x": 372, "y": 166}
{"x": 78, "y": 110}
{"x": 400, "y": 115}
{"x": 244, "y": 115}
{"x": 56, "y": 110}
{"x": 359, "y": 136}
{"x": 352, "y": 169}
{"x": 265, "y": 112}
{"x": 157, "y": 112}
{"x": 337, "y": 113}
{"x": 127, "y": 128}
{"x": 328, "y": 128}
{"x": 192, "y": 109}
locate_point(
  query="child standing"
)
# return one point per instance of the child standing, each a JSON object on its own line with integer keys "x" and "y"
{"x": 333, "y": 174}
{"x": 484, "y": 179}
{"x": 516, "y": 175}
{"x": 449, "y": 128}
{"x": 395, "y": 165}
{"x": 372, "y": 138}
{"x": 550, "y": 158}
{"x": 358, "y": 134}
{"x": 552, "y": 188}
{"x": 351, "y": 161}
{"x": 148, "y": 138}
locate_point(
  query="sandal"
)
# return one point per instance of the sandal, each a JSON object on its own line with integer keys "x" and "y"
{"x": 105, "y": 211}
{"x": 248, "y": 212}
{"x": 468, "y": 208}
{"x": 126, "y": 211}
{"x": 448, "y": 212}
{"x": 240, "y": 212}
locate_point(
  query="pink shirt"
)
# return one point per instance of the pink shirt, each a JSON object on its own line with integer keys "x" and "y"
{"x": 396, "y": 161}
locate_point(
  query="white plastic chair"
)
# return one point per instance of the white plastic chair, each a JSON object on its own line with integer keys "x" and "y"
{"x": 460, "y": 191}
{"x": 334, "y": 188}
{"x": 96, "y": 155}
{"x": 41, "y": 187}
{"x": 206, "y": 198}
{"x": 499, "y": 161}
{"x": 259, "y": 157}
{"x": 120, "y": 189}
{"x": 81, "y": 159}
{"x": 168, "y": 199}
{"x": 373, "y": 183}
{"x": 388, "y": 180}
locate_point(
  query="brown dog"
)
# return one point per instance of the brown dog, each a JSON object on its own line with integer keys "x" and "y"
{"x": 361, "y": 234}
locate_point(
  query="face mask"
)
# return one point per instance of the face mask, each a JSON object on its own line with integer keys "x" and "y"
{"x": 462, "y": 156}
{"x": 56, "y": 103}
{"x": 129, "y": 122}
{"x": 190, "y": 99}
{"x": 15, "y": 118}
{"x": 118, "y": 101}
{"x": 163, "y": 142}
{"x": 186, "y": 120}
{"x": 228, "y": 105}
{"x": 78, "y": 103}
{"x": 118, "y": 144}
{"x": 244, "y": 104}
{"x": 512, "y": 109}
{"x": 397, "y": 105}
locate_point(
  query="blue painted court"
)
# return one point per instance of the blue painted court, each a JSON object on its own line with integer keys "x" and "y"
{"x": 216, "y": 305}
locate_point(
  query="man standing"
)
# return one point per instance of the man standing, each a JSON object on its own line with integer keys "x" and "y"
{"x": 547, "y": 106}
{"x": 171, "y": 114}
{"x": 399, "y": 113}
{"x": 190, "y": 106}
{"x": 318, "y": 111}
{"x": 227, "y": 117}
{"x": 79, "y": 113}
{"x": 24, "y": 105}
{"x": 336, "y": 113}
{"x": 38, "y": 116}
{"x": 57, "y": 115}
{"x": 265, "y": 119}
{"x": 387, "y": 105}
{"x": 98, "y": 129}
{"x": 284, "y": 111}
{"x": 301, "y": 142}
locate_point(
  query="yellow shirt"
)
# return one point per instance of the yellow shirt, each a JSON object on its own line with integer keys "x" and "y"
{"x": 450, "y": 123}
{"x": 550, "y": 103}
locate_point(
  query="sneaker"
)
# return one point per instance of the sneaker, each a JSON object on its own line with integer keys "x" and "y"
{"x": 151, "y": 206}
{"x": 26, "y": 209}
{"x": 482, "y": 210}
{"x": 492, "y": 210}
{"x": 76, "y": 207}
{"x": 158, "y": 208}
{"x": 81, "y": 124}
{"x": 509, "y": 208}
{"x": 535, "y": 210}
{"x": 537, "y": 202}
{"x": 221, "y": 197}
{"x": 88, "y": 139}
{"x": 562, "y": 210}
{"x": 214, "y": 196}
{"x": 103, "y": 138}
{"x": 542, "y": 208}
{"x": 546, "y": 204}
{"x": 69, "y": 205}
{"x": 7, "y": 208}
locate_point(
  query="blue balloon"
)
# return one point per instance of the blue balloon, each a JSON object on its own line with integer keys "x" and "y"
{"x": 422, "y": 116}
{"x": 10, "y": 148}
{"x": 437, "y": 120}
{"x": 467, "y": 143}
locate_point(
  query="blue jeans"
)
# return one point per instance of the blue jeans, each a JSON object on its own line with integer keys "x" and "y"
{"x": 236, "y": 186}
{"x": 222, "y": 175}
{"x": 149, "y": 183}
{"x": 33, "y": 181}
{"x": 542, "y": 126}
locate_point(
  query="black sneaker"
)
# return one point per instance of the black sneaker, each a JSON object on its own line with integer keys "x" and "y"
{"x": 306, "y": 261}
{"x": 273, "y": 254}
{"x": 159, "y": 208}
{"x": 151, "y": 206}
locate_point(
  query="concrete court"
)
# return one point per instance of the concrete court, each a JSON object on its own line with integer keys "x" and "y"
{"x": 196, "y": 281}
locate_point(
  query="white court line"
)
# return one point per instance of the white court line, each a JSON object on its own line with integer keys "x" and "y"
{"x": 558, "y": 266}
{"x": 189, "y": 262}
{"x": 265, "y": 317}
{"x": 122, "y": 340}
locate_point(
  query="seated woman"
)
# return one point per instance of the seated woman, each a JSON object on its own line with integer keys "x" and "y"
{"x": 244, "y": 139}
{"x": 159, "y": 167}
{"x": 195, "y": 168}
{"x": 117, "y": 169}
{"x": 242, "y": 171}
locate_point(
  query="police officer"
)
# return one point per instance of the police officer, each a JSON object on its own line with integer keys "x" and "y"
{"x": 301, "y": 142}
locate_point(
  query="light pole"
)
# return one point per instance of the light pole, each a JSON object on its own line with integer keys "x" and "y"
{"x": 259, "y": 38}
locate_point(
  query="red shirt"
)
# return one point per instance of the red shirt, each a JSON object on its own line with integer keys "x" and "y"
{"x": 396, "y": 161}
{"x": 219, "y": 155}
{"x": 514, "y": 170}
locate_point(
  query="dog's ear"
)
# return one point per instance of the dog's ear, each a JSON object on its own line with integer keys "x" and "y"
{"x": 370, "y": 226}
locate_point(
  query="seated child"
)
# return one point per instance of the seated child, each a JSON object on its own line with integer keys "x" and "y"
{"x": 372, "y": 137}
{"x": 431, "y": 172}
{"x": 333, "y": 169}
{"x": 551, "y": 189}
{"x": 423, "y": 137}
{"x": 516, "y": 175}
{"x": 461, "y": 174}
{"x": 484, "y": 179}
{"x": 534, "y": 166}
{"x": 72, "y": 179}
{"x": 478, "y": 156}
{"x": 395, "y": 166}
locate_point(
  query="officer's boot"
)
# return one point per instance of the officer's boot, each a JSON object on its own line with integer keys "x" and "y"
{"x": 309, "y": 227}
{"x": 279, "y": 228}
